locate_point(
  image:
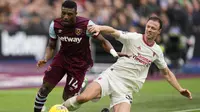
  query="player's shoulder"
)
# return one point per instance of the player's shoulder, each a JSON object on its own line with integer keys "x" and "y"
{"x": 82, "y": 19}
{"x": 57, "y": 23}
{"x": 138, "y": 35}
{"x": 157, "y": 48}
{"x": 135, "y": 35}
{"x": 130, "y": 33}
{"x": 57, "y": 20}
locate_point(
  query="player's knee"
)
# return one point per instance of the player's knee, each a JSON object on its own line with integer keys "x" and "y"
{"x": 82, "y": 98}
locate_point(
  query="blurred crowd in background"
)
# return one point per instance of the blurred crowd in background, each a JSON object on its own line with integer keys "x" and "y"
{"x": 181, "y": 19}
{"x": 122, "y": 14}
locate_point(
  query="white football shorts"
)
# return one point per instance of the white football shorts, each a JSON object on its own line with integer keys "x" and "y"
{"x": 117, "y": 88}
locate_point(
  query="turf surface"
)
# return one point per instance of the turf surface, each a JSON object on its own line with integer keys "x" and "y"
{"x": 155, "y": 96}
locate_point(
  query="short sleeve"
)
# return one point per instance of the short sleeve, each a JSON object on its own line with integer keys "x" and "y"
{"x": 125, "y": 36}
{"x": 160, "y": 62}
{"x": 89, "y": 23}
{"x": 51, "y": 31}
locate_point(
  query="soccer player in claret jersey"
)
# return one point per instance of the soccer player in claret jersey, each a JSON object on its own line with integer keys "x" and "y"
{"x": 74, "y": 56}
{"x": 128, "y": 74}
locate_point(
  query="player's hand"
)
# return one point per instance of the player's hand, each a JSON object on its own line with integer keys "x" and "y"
{"x": 41, "y": 63}
{"x": 93, "y": 29}
{"x": 123, "y": 55}
{"x": 186, "y": 93}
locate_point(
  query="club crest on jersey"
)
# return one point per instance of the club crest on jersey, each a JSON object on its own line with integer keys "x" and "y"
{"x": 78, "y": 31}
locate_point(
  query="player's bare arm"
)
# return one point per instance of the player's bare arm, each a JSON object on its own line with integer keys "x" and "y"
{"x": 105, "y": 43}
{"x": 109, "y": 48}
{"x": 96, "y": 29}
{"x": 48, "y": 54}
{"x": 169, "y": 76}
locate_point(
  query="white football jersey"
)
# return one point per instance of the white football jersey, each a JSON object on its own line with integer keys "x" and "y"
{"x": 142, "y": 55}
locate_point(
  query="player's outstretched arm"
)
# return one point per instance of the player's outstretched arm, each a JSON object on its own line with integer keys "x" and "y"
{"x": 48, "y": 54}
{"x": 173, "y": 81}
{"x": 107, "y": 45}
{"x": 96, "y": 29}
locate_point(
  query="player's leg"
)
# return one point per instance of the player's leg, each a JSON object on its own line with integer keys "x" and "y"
{"x": 121, "y": 102}
{"x": 92, "y": 91}
{"x": 105, "y": 110}
{"x": 52, "y": 76}
{"x": 74, "y": 80}
{"x": 84, "y": 85}
{"x": 98, "y": 88}
{"x": 121, "y": 98}
{"x": 122, "y": 107}
{"x": 69, "y": 92}
{"x": 41, "y": 96}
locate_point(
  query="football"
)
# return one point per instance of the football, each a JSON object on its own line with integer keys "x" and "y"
{"x": 58, "y": 108}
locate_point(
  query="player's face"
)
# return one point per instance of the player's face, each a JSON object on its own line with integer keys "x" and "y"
{"x": 152, "y": 29}
{"x": 69, "y": 16}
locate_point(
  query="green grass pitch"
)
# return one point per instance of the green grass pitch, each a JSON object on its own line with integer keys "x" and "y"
{"x": 155, "y": 96}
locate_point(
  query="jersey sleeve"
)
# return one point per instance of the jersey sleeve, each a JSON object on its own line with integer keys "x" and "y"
{"x": 126, "y": 36}
{"x": 89, "y": 23}
{"x": 52, "y": 33}
{"x": 160, "y": 61}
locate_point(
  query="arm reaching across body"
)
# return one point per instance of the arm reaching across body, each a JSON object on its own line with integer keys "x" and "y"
{"x": 96, "y": 29}
{"x": 169, "y": 76}
{"x": 107, "y": 45}
{"x": 109, "y": 48}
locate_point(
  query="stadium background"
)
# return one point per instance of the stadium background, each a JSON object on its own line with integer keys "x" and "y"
{"x": 24, "y": 35}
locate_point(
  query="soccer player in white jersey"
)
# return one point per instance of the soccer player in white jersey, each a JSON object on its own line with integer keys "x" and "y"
{"x": 128, "y": 74}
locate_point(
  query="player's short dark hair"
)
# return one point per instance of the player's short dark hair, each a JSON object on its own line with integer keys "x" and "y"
{"x": 69, "y": 4}
{"x": 156, "y": 18}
